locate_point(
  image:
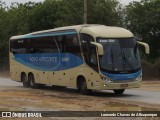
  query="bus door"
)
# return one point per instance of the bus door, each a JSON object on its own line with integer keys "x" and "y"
{"x": 89, "y": 51}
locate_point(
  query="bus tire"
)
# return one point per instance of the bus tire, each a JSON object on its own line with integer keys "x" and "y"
{"x": 40, "y": 85}
{"x": 119, "y": 92}
{"x": 24, "y": 80}
{"x": 31, "y": 81}
{"x": 82, "y": 87}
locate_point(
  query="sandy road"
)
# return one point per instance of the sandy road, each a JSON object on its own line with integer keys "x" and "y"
{"x": 142, "y": 95}
{"x": 13, "y": 96}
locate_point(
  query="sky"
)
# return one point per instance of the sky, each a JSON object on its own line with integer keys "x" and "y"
{"x": 8, "y": 2}
{"x": 125, "y": 2}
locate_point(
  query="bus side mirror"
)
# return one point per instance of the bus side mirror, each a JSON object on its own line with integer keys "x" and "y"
{"x": 100, "y": 48}
{"x": 147, "y": 51}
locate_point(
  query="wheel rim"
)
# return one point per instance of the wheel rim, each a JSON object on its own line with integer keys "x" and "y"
{"x": 24, "y": 80}
{"x": 31, "y": 81}
{"x": 83, "y": 86}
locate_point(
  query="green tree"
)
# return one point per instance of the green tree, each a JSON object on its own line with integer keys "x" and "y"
{"x": 105, "y": 12}
{"x": 143, "y": 19}
{"x": 3, "y": 34}
{"x": 24, "y": 18}
{"x": 19, "y": 16}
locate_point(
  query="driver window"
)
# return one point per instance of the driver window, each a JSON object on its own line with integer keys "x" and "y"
{"x": 93, "y": 56}
{"x": 89, "y": 51}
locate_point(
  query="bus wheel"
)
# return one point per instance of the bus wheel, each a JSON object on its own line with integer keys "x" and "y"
{"x": 24, "y": 80}
{"x": 40, "y": 85}
{"x": 82, "y": 87}
{"x": 119, "y": 92}
{"x": 31, "y": 81}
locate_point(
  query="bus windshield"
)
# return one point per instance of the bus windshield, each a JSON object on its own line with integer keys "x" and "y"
{"x": 120, "y": 55}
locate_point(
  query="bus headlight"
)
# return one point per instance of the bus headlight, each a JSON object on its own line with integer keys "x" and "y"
{"x": 108, "y": 80}
{"x": 105, "y": 79}
{"x": 140, "y": 77}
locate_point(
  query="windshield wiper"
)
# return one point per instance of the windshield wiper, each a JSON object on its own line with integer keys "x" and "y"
{"x": 112, "y": 59}
{"x": 124, "y": 57}
{"x": 135, "y": 51}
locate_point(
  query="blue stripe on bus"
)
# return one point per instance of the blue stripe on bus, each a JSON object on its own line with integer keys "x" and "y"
{"x": 130, "y": 76}
{"x": 45, "y": 35}
{"x": 49, "y": 61}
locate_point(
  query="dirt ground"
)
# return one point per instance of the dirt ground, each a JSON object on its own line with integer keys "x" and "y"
{"x": 18, "y": 98}
{"x": 4, "y": 74}
{"x": 49, "y": 99}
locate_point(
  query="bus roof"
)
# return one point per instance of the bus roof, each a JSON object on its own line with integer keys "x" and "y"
{"x": 94, "y": 30}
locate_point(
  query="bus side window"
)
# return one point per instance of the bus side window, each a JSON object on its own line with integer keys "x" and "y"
{"x": 64, "y": 43}
{"x": 58, "y": 39}
{"x": 89, "y": 51}
{"x": 93, "y": 55}
{"x": 18, "y": 46}
{"x": 71, "y": 44}
{"x": 43, "y": 45}
{"x": 86, "y": 39}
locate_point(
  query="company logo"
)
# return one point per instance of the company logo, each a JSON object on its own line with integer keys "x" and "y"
{"x": 6, "y": 114}
{"x": 20, "y": 114}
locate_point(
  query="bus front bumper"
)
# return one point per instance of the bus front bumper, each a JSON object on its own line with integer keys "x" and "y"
{"x": 123, "y": 85}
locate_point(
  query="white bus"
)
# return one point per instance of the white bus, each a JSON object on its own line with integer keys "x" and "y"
{"x": 86, "y": 57}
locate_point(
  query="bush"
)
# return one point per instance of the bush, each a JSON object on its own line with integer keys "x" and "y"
{"x": 151, "y": 71}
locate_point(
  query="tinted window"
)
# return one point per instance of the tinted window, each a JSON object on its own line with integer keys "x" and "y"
{"x": 59, "y": 41}
{"x": 18, "y": 46}
{"x": 89, "y": 51}
{"x": 86, "y": 46}
{"x": 120, "y": 55}
{"x": 69, "y": 44}
{"x": 53, "y": 44}
{"x": 34, "y": 45}
{"x": 42, "y": 45}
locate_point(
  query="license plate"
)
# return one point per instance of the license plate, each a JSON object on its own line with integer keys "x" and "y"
{"x": 124, "y": 85}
